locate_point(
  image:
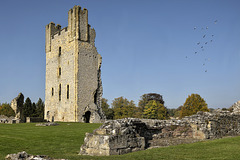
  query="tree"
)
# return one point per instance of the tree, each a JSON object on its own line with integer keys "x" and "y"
{"x": 40, "y": 108}
{"x": 5, "y": 109}
{"x": 145, "y": 98}
{"x": 28, "y": 110}
{"x": 192, "y": 105}
{"x": 155, "y": 110}
{"x": 107, "y": 111}
{"x": 123, "y": 108}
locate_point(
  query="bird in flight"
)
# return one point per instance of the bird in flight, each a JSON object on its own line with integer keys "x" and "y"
{"x": 195, "y": 52}
{"x": 205, "y": 70}
{"x": 198, "y": 43}
{"x": 206, "y": 27}
{"x": 195, "y": 28}
{"x": 204, "y": 35}
{"x": 215, "y": 21}
{"x": 205, "y": 42}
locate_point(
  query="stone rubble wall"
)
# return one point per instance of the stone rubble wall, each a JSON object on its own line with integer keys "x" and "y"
{"x": 9, "y": 120}
{"x": 25, "y": 156}
{"x": 122, "y": 136}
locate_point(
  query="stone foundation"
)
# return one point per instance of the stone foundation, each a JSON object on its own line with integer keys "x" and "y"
{"x": 122, "y": 136}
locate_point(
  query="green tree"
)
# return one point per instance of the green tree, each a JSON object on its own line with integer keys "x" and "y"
{"x": 145, "y": 98}
{"x": 6, "y": 109}
{"x": 40, "y": 108}
{"x": 155, "y": 110}
{"x": 192, "y": 105}
{"x": 106, "y": 109}
{"x": 28, "y": 110}
{"x": 123, "y": 108}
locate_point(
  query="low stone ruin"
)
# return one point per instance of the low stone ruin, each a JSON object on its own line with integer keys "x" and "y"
{"x": 24, "y": 156}
{"x": 122, "y": 136}
{"x": 47, "y": 124}
{"x": 235, "y": 107}
{"x": 9, "y": 120}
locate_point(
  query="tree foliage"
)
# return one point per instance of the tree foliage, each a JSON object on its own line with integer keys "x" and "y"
{"x": 192, "y": 105}
{"x": 40, "y": 108}
{"x": 145, "y": 98}
{"x": 27, "y": 108}
{"x": 109, "y": 113}
{"x": 155, "y": 110}
{"x": 123, "y": 108}
{"x": 33, "y": 110}
{"x": 6, "y": 109}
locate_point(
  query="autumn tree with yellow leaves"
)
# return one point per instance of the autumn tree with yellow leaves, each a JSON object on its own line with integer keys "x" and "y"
{"x": 192, "y": 105}
{"x": 155, "y": 110}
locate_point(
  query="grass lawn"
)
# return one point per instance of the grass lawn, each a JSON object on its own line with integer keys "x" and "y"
{"x": 64, "y": 141}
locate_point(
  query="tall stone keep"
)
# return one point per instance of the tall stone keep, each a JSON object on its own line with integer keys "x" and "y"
{"x": 73, "y": 90}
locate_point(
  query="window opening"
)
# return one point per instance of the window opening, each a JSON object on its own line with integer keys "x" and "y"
{"x": 59, "y": 71}
{"x": 59, "y": 92}
{"x": 52, "y": 91}
{"x": 67, "y": 91}
{"x": 59, "y": 51}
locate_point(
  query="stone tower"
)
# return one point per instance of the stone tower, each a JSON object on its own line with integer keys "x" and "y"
{"x": 73, "y": 90}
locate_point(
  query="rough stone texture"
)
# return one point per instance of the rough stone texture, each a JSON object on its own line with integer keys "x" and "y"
{"x": 17, "y": 106}
{"x": 131, "y": 134}
{"x": 9, "y": 120}
{"x": 24, "y": 156}
{"x": 73, "y": 71}
{"x": 236, "y": 107}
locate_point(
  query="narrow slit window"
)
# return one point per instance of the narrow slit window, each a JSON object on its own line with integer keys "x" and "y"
{"x": 59, "y": 92}
{"x": 52, "y": 91}
{"x": 59, "y": 51}
{"x": 59, "y": 71}
{"x": 67, "y": 91}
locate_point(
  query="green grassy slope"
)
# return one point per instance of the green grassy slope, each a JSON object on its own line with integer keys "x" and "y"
{"x": 64, "y": 141}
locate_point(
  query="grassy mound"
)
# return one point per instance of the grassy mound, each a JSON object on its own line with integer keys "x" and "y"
{"x": 64, "y": 141}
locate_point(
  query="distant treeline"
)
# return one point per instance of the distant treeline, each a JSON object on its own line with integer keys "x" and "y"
{"x": 151, "y": 106}
{"x": 29, "y": 109}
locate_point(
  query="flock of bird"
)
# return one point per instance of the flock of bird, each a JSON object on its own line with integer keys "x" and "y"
{"x": 205, "y": 40}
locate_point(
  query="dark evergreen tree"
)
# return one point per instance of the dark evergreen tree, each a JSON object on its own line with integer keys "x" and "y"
{"x": 27, "y": 108}
{"x": 40, "y": 108}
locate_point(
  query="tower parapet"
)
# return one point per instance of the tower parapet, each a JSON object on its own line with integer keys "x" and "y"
{"x": 50, "y": 31}
{"x": 78, "y": 28}
{"x": 78, "y": 23}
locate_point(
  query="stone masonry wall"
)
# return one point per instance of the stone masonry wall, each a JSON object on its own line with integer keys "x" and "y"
{"x": 131, "y": 134}
{"x": 73, "y": 76}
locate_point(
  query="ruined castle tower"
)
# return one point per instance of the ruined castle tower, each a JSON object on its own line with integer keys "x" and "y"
{"x": 73, "y": 71}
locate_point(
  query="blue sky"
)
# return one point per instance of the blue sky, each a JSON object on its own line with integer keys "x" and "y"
{"x": 146, "y": 45}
